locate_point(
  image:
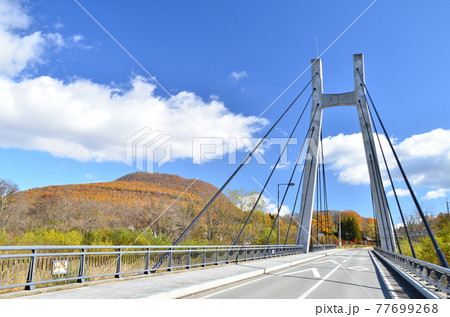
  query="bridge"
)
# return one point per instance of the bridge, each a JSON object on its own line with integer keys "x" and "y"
{"x": 303, "y": 269}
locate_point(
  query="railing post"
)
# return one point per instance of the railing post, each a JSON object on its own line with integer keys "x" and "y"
{"x": 81, "y": 278}
{"x": 228, "y": 255}
{"x": 118, "y": 267}
{"x": 169, "y": 268}
{"x": 147, "y": 262}
{"x": 245, "y": 254}
{"x": 31, "y": 270}
{"x": 189, "y": 258}
{"x": 217, "y": 255}
{"x": 204, "y": 257}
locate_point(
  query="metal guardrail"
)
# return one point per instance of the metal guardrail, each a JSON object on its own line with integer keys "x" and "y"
{"x": 320, "y": 247}
{"x": 28, "y": 266}
{"x": 435, "y": 275}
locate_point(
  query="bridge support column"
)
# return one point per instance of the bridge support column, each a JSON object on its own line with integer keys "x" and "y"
{"x": 311, "y": 162}
{"x": 321, "y": 101}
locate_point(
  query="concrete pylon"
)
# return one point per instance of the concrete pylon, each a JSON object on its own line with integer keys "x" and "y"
{"x": 321, "y": 101}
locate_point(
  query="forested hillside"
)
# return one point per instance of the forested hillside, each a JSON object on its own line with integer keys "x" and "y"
{"x": 162, "y": 205}
{"x": 143, "y": 208}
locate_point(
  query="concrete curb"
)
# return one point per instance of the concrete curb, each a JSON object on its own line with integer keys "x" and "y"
{"x": 189, "y": 290}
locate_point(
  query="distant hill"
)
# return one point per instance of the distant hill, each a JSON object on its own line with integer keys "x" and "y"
{"x": 166, "y": 202}
{"x": 136, "y": 189}
{"x": 159, "y": 205}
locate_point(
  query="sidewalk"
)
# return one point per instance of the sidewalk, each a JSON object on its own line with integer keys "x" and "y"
{"x": 171, "y": 285}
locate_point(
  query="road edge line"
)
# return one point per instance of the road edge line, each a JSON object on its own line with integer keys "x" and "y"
{"x": 388, "y": 285}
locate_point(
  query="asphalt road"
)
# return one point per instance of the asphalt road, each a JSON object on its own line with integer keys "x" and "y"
{"x": 348, "y": 274}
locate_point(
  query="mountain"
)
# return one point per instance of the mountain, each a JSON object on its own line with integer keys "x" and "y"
{"x": 158, "y": 205}
{"x": 165, "y": 203}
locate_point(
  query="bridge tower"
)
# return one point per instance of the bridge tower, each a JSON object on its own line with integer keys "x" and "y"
{"x": 321, "y": 101}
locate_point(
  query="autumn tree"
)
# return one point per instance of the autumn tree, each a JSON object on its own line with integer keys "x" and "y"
{"x": 258, "y": 227}
{"x": 369, "y": 228}
{"x": 7, "y": 190}
{"x": 353, "y": 214}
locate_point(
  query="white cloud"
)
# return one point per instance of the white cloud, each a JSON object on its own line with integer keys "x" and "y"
{"x": 55, "y": 39}
{"x": 282, "y": 166}
{"x": 59, "y": 25}
{"x": 17, "y": 51}
{"x": 424, "y": 157}
{"x": 399, "y": 191}
{"x": 87, "y": 121}
{"x": 77, "y": 41}
{"x": 77, "y": 37}
{"x": 432, "y": 194}
{"x": 273, "y": 209}
{"x": 12, "y": 16}
{"x": 431, "y": 144}
{"x": 345, "y": 154}
{"x": 270, "y": 206}
{"x": 238, "y": 75}
{"x": 21, "y": 51}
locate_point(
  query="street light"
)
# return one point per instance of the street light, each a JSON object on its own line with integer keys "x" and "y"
{"x": 279, "y": 209}
{"x": 340, "y": 241}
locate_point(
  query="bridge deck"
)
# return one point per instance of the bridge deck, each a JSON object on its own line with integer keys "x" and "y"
{"x": 352, "y": 274}
{"x": 175, "y": 284}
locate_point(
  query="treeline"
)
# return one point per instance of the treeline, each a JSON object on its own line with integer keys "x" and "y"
{"x": 354, "y": 228}
{"x": 106, "y": 213}
{"x": 143, "y": 208}
{"x": 153, "y": 209}
{"x": 46, "y": 236}
{"x": 421, "y": 242}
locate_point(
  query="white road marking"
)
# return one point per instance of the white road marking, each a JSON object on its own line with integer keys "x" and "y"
{"x": 333, "y": 261}
{"x": 234, "y": 287}
{"x": 314, "y": 270}
{"x": 318, "y": 283}
{"x": 358, "y": 268}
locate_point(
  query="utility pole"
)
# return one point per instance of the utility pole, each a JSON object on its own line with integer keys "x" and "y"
{"x": 340, "y": 241}
{"x": 447, "y": 207}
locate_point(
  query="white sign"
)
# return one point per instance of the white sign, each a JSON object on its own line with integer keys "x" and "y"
{"x": 59, "y": 267}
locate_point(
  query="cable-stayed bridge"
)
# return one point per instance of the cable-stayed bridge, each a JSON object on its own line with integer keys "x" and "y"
{"x": 309, "y": 268}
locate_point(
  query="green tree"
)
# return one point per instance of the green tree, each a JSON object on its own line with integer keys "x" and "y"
{"x": 350, "y": 229}
{"x": 45, "y": 236}
{"x": 423, "y": 246}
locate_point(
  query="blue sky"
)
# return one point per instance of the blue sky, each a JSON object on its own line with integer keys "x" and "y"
{"x": 71, "y": 96}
